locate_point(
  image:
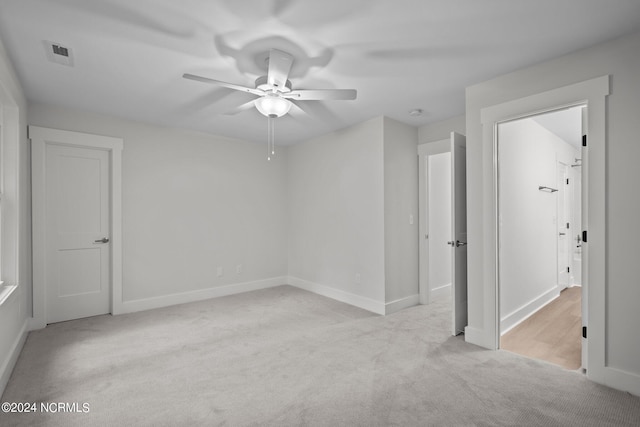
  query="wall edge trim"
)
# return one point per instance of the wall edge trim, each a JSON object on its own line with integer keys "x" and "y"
{"x": 338, "y": 295}
{"x": 10, "y": 362}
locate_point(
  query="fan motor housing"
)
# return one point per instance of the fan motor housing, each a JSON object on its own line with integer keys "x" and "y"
{"x": 262, "y": 84}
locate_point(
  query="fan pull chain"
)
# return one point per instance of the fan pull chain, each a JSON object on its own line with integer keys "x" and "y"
{"x": 271, "y": 137}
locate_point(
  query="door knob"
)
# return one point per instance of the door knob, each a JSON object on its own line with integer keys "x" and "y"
{"x": 459, "y": 243}
{"x": 103, "y": 240}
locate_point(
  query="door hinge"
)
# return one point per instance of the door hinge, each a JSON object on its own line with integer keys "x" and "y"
{"x": 567, "y": 181}
{"x": 567, "y": 225}
{"x": 584, "y": 236}
{"x": 584, "y": 140}
{"x": 584, "y": 332}
{"x": 568, "y": 270}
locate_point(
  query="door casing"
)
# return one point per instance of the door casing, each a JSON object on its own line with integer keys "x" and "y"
{"x": 40, "y": 137}
{"x": 593, "y": 93}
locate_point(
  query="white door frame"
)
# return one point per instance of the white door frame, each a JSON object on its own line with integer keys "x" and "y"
{"x": 593, "y": 93}
{"x": 424, "y": 151}
{"x": 505, "y": 320}
{"x": 40, "y": 137}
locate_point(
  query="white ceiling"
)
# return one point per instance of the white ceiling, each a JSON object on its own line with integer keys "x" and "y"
{"x": 400, "y": 55}
{"x": 566, "y": 124}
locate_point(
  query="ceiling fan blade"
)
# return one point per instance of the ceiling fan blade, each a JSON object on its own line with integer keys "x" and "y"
{"x": 280, "y": 6}
{"x": 257, "y": 92}
{"x": 279, "y": 66}
{"x": 322, "y": 94}
{"x": 318, "y": 111}
{"x": 297, "y": 110}
{"x": 244, "y": 107}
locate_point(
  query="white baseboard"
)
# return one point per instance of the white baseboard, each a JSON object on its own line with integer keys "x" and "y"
{"x": 12, "y": 357}
{"x": 338, "y": 295}
{"x": 402, "y": 303}
{"x": 440, "y": 292}
{"x": 516, "y": 317}
{"x": 200, "y": 294}
{"x": 35, "y": 324}
{"x": 616, "y": 378}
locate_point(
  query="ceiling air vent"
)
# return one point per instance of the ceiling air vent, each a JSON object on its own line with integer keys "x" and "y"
{"x": 60, "y": 50}
{"x": 58, "y": 53}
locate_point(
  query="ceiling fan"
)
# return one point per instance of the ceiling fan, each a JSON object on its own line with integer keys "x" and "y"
{"x": 274, "y": 92}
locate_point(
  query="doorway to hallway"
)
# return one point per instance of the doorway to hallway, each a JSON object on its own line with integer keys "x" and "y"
{"x": 539, "y": 227}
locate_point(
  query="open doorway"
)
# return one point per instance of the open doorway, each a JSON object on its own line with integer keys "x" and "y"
{"x": 539, "y": 228}
{"x": 443, "y": 226}
{"x": 435, "y": 221}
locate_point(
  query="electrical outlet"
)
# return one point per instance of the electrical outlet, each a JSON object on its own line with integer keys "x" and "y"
{"x": 239, "y": 269}
{"x": 220, "y": 272}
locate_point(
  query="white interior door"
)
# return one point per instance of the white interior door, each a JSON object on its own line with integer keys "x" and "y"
{"x": 439, "y": 224}
{"x": 459, "y": 231}
{"x": 426, "y": 153}
{"x": 563, "y": 225}
{"x": 576, "y": 224}
{"x": 77, "y": 254}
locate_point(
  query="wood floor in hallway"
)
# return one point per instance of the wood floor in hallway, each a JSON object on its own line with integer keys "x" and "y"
{"x": 554, "y": 333}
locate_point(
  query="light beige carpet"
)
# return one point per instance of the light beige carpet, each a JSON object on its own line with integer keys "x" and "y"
{"x": 286, "y": 357}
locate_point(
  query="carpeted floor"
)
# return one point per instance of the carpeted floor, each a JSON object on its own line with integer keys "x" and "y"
{"x": 286, "y": 357}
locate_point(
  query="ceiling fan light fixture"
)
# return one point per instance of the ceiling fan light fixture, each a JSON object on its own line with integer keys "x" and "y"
{"x": 273, "y": 91}
{"x": 273, "y": 105}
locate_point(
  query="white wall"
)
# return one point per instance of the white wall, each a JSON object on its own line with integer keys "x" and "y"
{"x": 437, "y": 131}
{"x": 528, "y": 217}
{"x": 620, "y": 59}
{"x": 192, "y": 202}
{"x": 318, "y": 213}
{"x": 336, "y": 214}
{"x": 439, "y": 217}
{"x": 401, "y": 212}
{"x": 16, "y": 227}
{"x": 352, "y": 194}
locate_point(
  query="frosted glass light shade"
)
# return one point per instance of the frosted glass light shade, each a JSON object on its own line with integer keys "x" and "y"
{"x": 273, "y": 105}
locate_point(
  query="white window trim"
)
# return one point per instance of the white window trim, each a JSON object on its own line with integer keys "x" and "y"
{"x": 5, "y": 292}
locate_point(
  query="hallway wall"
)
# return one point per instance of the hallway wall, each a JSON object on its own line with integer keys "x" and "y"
{"x": 529, "y": 154}
{"x": 619, "y": 60}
